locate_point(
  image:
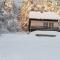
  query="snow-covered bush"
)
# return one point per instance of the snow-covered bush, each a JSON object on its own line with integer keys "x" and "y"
{"x": 13, "y": 26}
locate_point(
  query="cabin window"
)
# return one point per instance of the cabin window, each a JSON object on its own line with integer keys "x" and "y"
{"x": 48, "y": 25}
{"x": 51, "y": 25}
{"x": 59, "y": 23}
{"x": 45, "y": 24}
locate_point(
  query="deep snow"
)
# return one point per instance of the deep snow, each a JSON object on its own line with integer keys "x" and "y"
{"x": 24, "y": 46}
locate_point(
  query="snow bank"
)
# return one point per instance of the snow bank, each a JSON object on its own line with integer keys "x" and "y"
{"x": 44, "y": 32}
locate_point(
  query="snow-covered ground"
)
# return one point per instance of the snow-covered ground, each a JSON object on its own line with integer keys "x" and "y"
{"x": 24, "y": 46}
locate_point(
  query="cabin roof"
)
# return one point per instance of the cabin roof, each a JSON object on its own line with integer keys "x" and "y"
{"x": 44, "y": 15}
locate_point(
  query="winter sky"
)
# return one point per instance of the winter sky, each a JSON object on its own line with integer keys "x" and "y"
{"x": 18, "y": 2}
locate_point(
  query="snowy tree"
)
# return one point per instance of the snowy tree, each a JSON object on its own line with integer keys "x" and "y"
{"x": 8, "y": 19}
{"x": 15, "y": 8}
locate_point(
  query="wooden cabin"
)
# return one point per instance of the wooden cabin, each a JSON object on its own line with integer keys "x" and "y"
{"x": 44, "y": 21}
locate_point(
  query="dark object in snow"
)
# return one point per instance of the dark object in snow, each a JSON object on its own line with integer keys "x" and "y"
{"x": 45, "y": 35}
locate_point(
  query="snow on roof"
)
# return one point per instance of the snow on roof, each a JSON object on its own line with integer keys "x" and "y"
{"x": 44, "y": 15}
